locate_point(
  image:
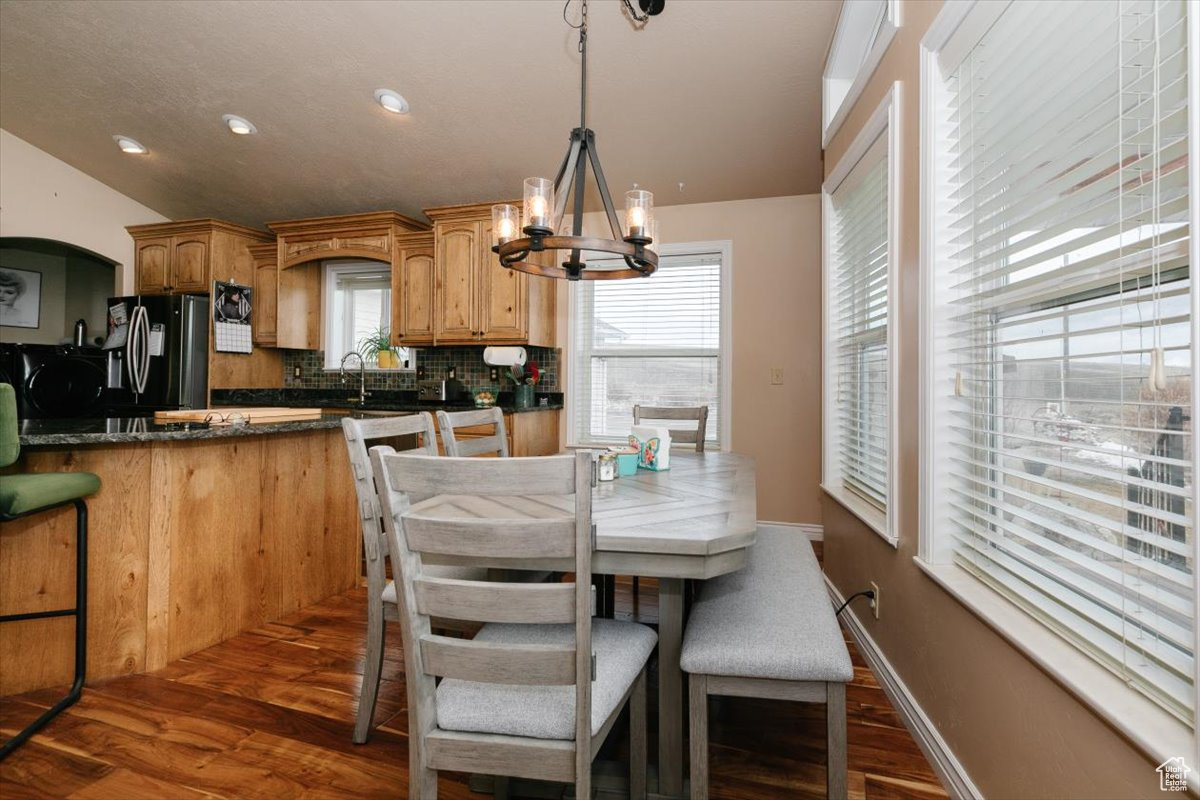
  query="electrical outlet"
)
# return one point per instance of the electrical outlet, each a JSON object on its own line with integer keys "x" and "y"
{"x": 297, "y": 372}
{"x": 776, "y": 376}
{"x": 494, "y": 374}
{"x": 875, "y": 599}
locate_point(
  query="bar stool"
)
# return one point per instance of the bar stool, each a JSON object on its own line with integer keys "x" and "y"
{"x": 22, "y": 495}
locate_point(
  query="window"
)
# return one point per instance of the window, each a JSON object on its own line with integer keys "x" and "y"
{"x": 358, "y": 304}
{"x": 660, "y": 341}
{"x": 1058, "y": 451}
{"x": 865, "y": 29}
{"x": 858, "y": 265}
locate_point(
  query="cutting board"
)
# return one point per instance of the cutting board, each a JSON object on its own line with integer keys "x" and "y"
{"x": 251, "y": 415}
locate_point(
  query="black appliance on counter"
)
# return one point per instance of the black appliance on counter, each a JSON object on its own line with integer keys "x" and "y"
{"x": 55, "y": 381}
{"x": 158, "y": 353}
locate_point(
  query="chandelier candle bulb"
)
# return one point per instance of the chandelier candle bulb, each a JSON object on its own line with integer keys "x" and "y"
{"x": 539, "y": 200}
{"x": 506, "y": 221}
{"x": 639, "y": 214}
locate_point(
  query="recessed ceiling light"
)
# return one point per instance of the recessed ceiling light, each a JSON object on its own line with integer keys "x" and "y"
{"x": 391, "y": 101}
{"x": 128, "y": 145}
{"x": 239, "y": 125}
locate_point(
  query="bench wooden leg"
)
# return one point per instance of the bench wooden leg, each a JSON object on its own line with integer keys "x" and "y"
{"x": 698, "y": 734}
{"x": 835, "y": 712}
{"x": 637, "y": 739}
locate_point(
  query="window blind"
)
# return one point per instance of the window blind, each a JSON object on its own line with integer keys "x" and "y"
{"x": 652, "y": 342}
{"x": 1068, "y": 286}
{"x": 858, "y": 304}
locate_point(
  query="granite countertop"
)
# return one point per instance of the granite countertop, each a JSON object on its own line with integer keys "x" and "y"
{"x": 378, "y": 400}
{"x": 117, "y": 430}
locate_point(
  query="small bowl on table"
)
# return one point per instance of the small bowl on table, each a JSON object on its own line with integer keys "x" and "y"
{"x": 486, "y": 396}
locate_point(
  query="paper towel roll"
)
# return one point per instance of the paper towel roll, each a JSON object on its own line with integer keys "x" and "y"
{"x": 503, "y": 356}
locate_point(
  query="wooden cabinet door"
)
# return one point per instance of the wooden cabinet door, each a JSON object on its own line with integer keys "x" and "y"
{"x": 153, "y": 266}
{"x": 412, "y": 297}
{"x": 266, "y": 302}
{"x": 503, "y": 313}
{"x": 457, "y": 271}
{"x": 189, "y": 262}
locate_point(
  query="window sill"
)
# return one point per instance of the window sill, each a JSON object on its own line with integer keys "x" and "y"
{"x": 1154, "y": 731}
{"x": 868, "y": 514}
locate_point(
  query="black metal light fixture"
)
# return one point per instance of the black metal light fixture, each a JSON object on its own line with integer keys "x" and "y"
{"x": 544, "y": 203}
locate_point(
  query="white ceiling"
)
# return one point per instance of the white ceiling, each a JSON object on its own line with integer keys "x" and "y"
{"x": 722, "y": 95}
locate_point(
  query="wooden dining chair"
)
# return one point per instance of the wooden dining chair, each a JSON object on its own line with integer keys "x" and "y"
{"x": 683, "y": 435}
{"x": 537, "y": 691}
{"x": 362, "y": 434}
{"x": 493, "y": 444}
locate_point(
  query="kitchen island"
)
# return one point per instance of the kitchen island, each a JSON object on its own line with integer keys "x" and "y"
{"x": 198, "y": 533}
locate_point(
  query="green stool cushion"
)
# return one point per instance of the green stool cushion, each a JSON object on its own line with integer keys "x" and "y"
{"x": 20, "y": 494}
{"x": 10, "y": 443}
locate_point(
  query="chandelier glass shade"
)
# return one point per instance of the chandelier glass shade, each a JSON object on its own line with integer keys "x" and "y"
{"x": 536, "y": 227}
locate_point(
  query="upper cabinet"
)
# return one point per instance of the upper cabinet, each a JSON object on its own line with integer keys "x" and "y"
{"x": 413, "y": 280}
{"x": 477, "y": 301}
{"x": 185, "y": 257}
{"x": 266, "y": 293}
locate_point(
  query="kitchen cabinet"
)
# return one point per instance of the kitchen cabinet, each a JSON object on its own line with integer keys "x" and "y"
{"x": 186, "y": 257}
{"x": 413, "y": 280}
{"x": 477, "y": 301}
{"x": 265, "y": 297}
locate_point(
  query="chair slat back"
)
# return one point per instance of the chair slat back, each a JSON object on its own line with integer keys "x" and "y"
{"x": 360, "y": 435}
{"x": 489, "y": 662}
{"x": 495, "y": 443}
{"x": 684, "y": 435}
{"x": 481, "y": 508}
{"x": 451, "y": 598}
{"x": 492, "y": 538}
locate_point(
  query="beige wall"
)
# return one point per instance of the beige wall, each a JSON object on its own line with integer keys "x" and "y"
{"x": 1017, "y": 732}
{"x": 44, "y": 198}
{"x": 776, "y": 322}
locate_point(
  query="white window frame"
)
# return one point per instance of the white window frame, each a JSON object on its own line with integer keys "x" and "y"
{"x": 860, "y": 41}
{"x": 574, "y": 332}
{"x": 329, "y": 272}
{"x": 883, "y": 122}
{"x": 1156, "y": 732}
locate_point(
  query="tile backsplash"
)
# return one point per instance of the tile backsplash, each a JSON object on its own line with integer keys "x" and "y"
{"x": 467, "y": 361}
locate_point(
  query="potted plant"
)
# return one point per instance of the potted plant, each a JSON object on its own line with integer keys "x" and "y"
{"x": 377, "y": 346}
{"x": 524, "y": 379}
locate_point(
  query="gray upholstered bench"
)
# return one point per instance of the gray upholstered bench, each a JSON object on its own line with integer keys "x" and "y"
{"x": 768, "y": 631}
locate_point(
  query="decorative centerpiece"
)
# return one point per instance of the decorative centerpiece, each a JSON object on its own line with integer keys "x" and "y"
{"x": 524, "y": 380}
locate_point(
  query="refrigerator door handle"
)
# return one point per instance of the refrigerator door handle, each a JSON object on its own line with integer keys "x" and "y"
{"x": 131, "y": 349}
{"x": 145, "y": 346}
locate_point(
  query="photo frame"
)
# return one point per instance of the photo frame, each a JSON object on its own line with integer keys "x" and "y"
{"x": 20, "y": 298}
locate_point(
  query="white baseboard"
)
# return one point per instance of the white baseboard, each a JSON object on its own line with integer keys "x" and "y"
{"x": 954, "y": 778}
{"x": 815, "y": 533}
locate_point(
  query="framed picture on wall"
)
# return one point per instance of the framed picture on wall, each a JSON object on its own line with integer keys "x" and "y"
{"x": 20, "y": 297}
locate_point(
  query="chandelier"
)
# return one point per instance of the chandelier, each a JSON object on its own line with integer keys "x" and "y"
{"x": 544, "y": 203}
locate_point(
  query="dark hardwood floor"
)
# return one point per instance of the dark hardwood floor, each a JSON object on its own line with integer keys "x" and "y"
{"x": 269, "y": 715}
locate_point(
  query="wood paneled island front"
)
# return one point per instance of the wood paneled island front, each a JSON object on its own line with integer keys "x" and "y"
{"x": 196, "y": 535}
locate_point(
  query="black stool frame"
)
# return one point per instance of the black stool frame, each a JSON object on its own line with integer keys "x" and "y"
{"x": 80, "y": 614}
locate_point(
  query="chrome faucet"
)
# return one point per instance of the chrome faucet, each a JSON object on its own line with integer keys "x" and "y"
{"x": 362, "y": 375}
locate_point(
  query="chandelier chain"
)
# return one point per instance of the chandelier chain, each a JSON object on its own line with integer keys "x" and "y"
{"x": 582, "y": 27}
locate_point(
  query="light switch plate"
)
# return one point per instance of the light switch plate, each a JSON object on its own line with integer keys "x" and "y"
{"x": 776, "y": 376}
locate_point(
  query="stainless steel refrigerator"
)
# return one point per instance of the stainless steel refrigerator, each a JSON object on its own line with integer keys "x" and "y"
{"x": 157, "y": 353}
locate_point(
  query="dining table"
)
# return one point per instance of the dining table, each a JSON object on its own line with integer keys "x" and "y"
{"x": 695, "y": 521}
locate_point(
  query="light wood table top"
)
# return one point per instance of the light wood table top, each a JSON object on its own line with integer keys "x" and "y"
{"x": 691, "y": 521}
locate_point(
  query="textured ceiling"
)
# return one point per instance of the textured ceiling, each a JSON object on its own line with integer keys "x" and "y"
{"x": 722, "y": 95}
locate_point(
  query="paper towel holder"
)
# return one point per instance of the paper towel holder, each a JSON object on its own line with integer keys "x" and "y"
{"x": 504, "y": 356}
